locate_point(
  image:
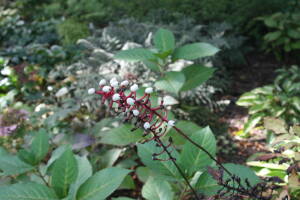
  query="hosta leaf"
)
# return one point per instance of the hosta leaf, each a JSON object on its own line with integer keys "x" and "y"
{"x": 164, "y": 40}
{"x": 64, "y": 173}
{"x": 12, "y": 165}
{"x": 27, "y": 191}
{"x": 166, "y": 168}
{"x": 192, "y": 158}
{"x": 102, "y": 184}
{"x": 40, "y": 145}
{"x": 196, "y": 75}
{"x": 247, "y": 99}
{"x": 171, "y": 82}
{"x": 157, "y": 189}
{"x": 137, "y": 54}
{"x": 252, "y": 122}
{"x": 194, "y": 51}
{"x": 122, "y": 136}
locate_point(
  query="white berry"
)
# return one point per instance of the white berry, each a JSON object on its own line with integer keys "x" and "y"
{"x": 102, "y": 82}
{"x": 146, "y": 125}
{"x": 136, "y": 112}
{"x": 116, "y": 97}
{"x": 171, "y": 123}
{"x": 91, "y": 91}
{"x": 130, "y": 101}
{"x": 149, "y": 90}
{"x": 124, "y": 83}
{"x": 114, "y": 84}
{"x": 106, "y": 88}
{"x": 134, "y": 88}
{"x": 113, "y": 80}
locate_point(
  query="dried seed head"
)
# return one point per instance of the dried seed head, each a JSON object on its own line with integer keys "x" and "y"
{"x": 149, "y": 90}
{"x": 134, "y": 88}
{"x": 91, "y": 91}
{"x": 130, "y": 101}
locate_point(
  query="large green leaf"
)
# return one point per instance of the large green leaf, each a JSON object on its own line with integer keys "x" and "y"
{"x": 122, "y": 136}
{"x": 272, "y": 36}
{"x": 196, "y": 75}
{"x": 166, "y": 168}
{"x": 12, "y": 165}
{"x": 64, "y": 172}
{"x": 85, "y": 171}
{"x": 27, "y": 191}
{"x": 177, "y": 138}
{"x": 171, "y": 82}
{"x": 207, "y": 185}
{"x": 137, "y": 54}
{"x": 40, "y": 145}
{"x": 192, "y": 158}
{"x": 164, "y": 40}
{"x": 102, "y": 184}
{"x": 157, "y": 189}
{"x": 194, "y": 51}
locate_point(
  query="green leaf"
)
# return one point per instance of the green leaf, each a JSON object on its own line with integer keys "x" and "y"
{"x": 122, "y": 198}
{"x": 272, "y": 36}
{"x": 192, "y": 158}
{"x": 110, "y": 157}
{"x": 27, "y": 157}
{"x": 196, "y": 75}
{"x": 3, "y": 151}
{"x": 85, "y": 171}
{"x": 293, "y": 34}
{"x": 64, "y": 172}
{"x": 56, "y": 154}
{"x": 40, "y": 145}
{"x": 12, "y": 165}
{"x": 207, "y": 185}
{"x": 152, "y": 65}
{"x": 102, "y": 184}
{"x": 27, "y": 191}
{"x": 137, "y": 54}
{"x": 252, "y": 122}
{"x": 194, "y": 51}
{"x": 157, "y": 189}
{"x": 167, "y": 168}
{"x": 270, "y": 22}
{"x": 122, "y": 136}
{"x": 177, "y": 138}
{"x": 247, "y": 99}
{"x": 172, "y": 82}
{"x": 164, "y": 40}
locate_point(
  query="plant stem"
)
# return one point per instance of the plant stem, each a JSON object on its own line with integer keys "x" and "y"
{"x": 173, "y": 160}
{"x": 194, "y": 143}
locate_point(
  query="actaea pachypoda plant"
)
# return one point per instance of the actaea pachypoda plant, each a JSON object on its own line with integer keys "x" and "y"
{"x": 123, "y": 99}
